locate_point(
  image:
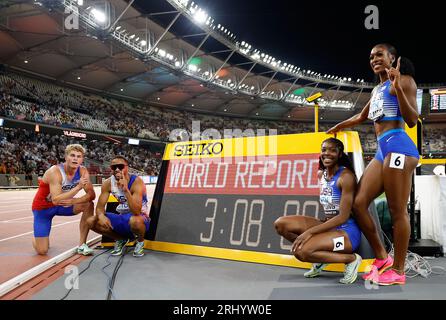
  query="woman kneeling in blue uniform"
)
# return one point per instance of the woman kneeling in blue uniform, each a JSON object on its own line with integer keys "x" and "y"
{"x": 337, "y": 237}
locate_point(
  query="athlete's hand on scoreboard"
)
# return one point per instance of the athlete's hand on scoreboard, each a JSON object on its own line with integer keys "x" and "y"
{"x": 300, "y": 241}
{"x": 333, "y": 130}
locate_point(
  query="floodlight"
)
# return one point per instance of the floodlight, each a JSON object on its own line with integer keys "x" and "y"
{"x": 98, "y": 15}
{"x": 200, "y": 16}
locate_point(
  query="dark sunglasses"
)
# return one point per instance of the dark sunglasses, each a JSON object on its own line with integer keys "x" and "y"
{"x": 119, "y": 166}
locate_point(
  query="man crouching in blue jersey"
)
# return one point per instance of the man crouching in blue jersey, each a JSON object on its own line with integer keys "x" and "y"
{"x": 132, "y": 218}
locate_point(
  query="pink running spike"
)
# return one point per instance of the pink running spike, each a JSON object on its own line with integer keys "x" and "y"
{"x": 390, "y": 277}
{"x": 381, "y": 265}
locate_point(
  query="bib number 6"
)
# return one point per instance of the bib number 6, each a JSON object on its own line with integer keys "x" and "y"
{"x": 397, "y": 161}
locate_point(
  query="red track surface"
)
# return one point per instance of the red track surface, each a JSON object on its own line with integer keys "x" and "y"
{"x": 16, "y": 232}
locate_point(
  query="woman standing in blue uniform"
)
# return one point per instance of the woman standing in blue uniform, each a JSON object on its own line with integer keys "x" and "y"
{"x": 392, "y": 104}
{"x": 334, "y": 239}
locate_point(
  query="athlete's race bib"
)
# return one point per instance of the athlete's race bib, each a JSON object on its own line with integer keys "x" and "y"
{"x": 326, "y": 200}
{"x": 376, "y": 110}
{"x": 123, "y": 208}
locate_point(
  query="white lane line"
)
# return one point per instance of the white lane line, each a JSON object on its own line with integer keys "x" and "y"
{"x": 28, "y": 217}
{"x": 11, "y": 211}
{"x": 6, "y": 222}
{"x": 16, "y": 205}
{"x": 7, "y": 286}
{"x": 26, "y": 233}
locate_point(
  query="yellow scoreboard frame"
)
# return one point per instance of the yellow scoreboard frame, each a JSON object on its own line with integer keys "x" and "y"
{"x": 238, "y": 148}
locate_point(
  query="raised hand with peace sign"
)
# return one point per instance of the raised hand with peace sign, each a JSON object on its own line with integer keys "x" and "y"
{"x": 394, "y": 74}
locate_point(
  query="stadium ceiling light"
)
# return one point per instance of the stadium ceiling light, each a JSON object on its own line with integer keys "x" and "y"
{"x": 255, "y": 56}
{"x": 78, "y": 78}
{"x": 118, "y": 27}
{"x": 192, "y": 67}
{"x": 122, "y": 89}
{"x": 26, "y": 61}
{"x": 183, "y": 2}
{"x": 98, "y": 15}
{"x": 177, "y": 64}
{"x": 132, "y": 36}
{"x": 200, "y": 16}
{"x": 143, "y": 42}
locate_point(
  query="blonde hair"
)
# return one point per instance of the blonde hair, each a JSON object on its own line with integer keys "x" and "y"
{"x": 75, "y": 147}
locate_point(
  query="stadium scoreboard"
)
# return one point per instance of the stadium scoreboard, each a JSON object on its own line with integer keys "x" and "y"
{"x": 227, "y": 193}
{"x": 438, "y": 100}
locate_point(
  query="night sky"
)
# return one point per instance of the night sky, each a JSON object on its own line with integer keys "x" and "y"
{"x": 330, "y": 36}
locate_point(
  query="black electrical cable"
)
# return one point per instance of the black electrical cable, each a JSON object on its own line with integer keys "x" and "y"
{"x": 115, "y": 272}
{"x": 108, "y": 277}
{"x": 91, "y": 261}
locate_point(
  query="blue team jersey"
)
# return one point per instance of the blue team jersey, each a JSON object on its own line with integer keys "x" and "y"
{"x": 383, "y": 105}
{"x": 330, "y": 194}
{"x": 67, "y": 185}
{"x": 123, "y": 206}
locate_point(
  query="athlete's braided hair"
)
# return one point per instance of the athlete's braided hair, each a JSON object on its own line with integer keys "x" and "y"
{"x": 344, "y": 160}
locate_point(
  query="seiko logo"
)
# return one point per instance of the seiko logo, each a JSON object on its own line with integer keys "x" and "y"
{"x": 198, "y": 149}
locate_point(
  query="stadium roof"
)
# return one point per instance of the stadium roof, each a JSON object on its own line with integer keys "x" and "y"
{"x": 181, "y": 64}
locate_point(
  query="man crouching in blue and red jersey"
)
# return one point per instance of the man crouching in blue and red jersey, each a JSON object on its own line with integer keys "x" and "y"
{"x": 132, "y": 219}
{"x": 55, "y": 197}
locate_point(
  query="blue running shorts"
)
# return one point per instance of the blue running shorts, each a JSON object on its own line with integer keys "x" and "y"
{"x": 395, "y": 141}
{"x": 43, "y": 219}
{"x": 121, "y": 223}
